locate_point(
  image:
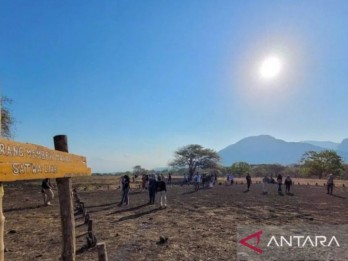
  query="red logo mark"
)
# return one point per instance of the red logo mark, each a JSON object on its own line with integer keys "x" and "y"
{"x": 255, "y": 248}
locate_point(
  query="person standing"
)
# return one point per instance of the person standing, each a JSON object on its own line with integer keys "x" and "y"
{"x": 197, "y": 180}
{"x": 152, "y": 188}
{"x": 204, "y": 180}
{"x": 280, "y": 182}
{"x": 185, "y": 179}
{"x": 330, "y": 184}
{"x": 162, "y": 190}
{"x": 265, "y": 181}
{"x": 125, "y": 190}
{"x": 232, "y": 178}
{"x": 288, "y": 184}
{"x": 169, "y": 178}
{"x": 143, "y": 182}
{"x": 47, "y": 192}
{"x": 248, "y": 180}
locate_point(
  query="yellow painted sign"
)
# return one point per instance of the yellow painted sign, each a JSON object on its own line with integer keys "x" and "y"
{"x": 23, "y": 161}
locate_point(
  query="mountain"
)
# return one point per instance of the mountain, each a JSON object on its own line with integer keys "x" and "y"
{"x": 324, "y": 144}
{"x": 343, "y": 146}
{"x": 265, "y": 149}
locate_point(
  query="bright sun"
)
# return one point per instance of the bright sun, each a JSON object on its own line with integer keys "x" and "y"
{"x": 270, "y": 67}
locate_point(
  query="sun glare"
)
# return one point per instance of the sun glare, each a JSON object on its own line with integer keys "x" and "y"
{"x": 270, "y": 67}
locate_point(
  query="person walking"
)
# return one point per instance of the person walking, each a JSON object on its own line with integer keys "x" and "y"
{"x": 125, "y": 190}
{"x": 280, "y": 182}
{"x": 162, "y": 190}
{"x": 47, "y": 192}
{"x": 248, "y": 180}
{"x": 288, "y": 184}
{"x": 152, "y": 188}
{"x": 330, "y": 184}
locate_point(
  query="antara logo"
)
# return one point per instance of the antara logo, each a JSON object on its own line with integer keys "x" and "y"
{"x": 291, "y": 241}
{"x": 255, "y": 235}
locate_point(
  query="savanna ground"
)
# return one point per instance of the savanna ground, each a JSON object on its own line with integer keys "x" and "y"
{"x": 199, "y": 225}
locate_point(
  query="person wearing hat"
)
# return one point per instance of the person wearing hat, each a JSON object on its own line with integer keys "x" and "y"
{"x": 330, "y": 184}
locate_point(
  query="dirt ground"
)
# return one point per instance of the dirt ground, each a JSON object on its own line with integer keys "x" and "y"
{"x": 199, "y": 225}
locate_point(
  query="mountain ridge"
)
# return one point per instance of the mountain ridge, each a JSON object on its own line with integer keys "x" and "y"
{"x": 266, "y": 149}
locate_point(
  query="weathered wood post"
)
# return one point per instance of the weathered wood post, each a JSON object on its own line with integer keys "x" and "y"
{"x": 2, "y": 224}
{"x": 102, "y": 254}
{"x": 2, "y": 217}
{"x": 66, "y": 206}
{"x": 90, "y": 226}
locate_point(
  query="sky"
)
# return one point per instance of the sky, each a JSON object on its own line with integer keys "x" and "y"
{"x": 130, "y": 82}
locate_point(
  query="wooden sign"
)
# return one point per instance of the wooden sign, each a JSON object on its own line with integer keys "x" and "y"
{"x": 23, "y": 161}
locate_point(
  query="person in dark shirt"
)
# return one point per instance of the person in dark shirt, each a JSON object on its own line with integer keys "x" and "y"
{"x": 280, "y": 182}
{"x": 162, "y": 190}
{"x": 288, "y": 183}
{"x": 169, "y": 178}
{"x": 152, "y": 188}
{"x": 248, "y": 180}
{"x": 47, "y": 192}
{"x": 125, "y": 190}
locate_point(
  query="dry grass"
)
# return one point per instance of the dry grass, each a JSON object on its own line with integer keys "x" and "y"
{"x": 200, "y": 225}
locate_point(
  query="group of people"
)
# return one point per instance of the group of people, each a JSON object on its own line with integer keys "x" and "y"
{"x": 156, "y": 184}
{"x": 200, "y": 180}
{"x": 204, "y": 179}
{"x": 145, "y": 180}
{"x": 287, "y": 182}
{"x": 153, "y": 183}
{"x": 270, "y": 180}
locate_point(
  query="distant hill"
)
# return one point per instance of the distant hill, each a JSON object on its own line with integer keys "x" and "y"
{"x": 343, "y": 146}
{"x": 265, "y": 149}
{"x": 324, "y": 144}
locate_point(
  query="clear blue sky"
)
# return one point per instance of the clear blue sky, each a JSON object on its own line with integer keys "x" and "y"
{"x": 131, "y": 81}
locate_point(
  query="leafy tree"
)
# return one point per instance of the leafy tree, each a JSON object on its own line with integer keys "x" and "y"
{"x": 7, "y": 121}
{"x": 195, "y": 156}
{"x": 240, "y": 168}
{"x": 321, "y": 162}
{"x": 267, "y": 169}
{"x": 138, "y": 170}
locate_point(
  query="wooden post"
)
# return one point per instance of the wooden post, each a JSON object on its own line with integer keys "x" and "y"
{"x": 90, "y": 225}
{"x": 102, "y": 254}
{"x": 2, "y": 224}
{"x": 66, "y": 206}
{"x": 2, "y": 217}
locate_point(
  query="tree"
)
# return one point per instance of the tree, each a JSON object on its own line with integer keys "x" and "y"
{"x": 138, "y": 170}
{"x": 240, "y": 168}
{"x": 268, "y": 169}
{"x": 7, "y": 121}
{"x": 321, "y": 162}
{"x": 195, "y": 156}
